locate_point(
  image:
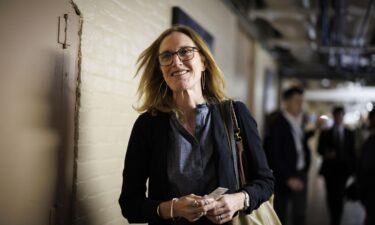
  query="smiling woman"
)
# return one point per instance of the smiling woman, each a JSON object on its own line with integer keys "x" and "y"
{"x": 177, "y": 142}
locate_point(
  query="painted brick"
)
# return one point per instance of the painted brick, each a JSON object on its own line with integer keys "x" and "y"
{"x": 100, "y": 201}
{"x": 96, "y": 186}
{"x": 98, "y": 168}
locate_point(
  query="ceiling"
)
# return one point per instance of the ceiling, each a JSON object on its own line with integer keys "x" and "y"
{"x": 332, "y": 39}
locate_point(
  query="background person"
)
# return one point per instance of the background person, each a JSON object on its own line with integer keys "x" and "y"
{"x": 336, "y": 146}
{"x": 289, "y": 157}
{"x": 366, "y": 172}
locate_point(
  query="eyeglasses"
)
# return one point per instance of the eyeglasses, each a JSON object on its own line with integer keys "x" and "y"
{"x": 184, "y": 54}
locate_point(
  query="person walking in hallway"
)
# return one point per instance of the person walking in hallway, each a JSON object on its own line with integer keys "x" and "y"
{"x": 366, "y": 172}
{"x": 289, "y": 157}
{"x": 177, "y": 152}
{"x": 336, "y": 146}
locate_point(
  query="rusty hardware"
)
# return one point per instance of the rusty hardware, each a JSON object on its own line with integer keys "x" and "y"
{"x": 237, "y": 135}
{"x": 64, "y": 44}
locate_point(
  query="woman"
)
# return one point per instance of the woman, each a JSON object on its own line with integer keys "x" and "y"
{"x": 178, "y": 144}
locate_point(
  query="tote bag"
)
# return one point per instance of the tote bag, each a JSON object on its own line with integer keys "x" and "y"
{"x": 265, "y": 214}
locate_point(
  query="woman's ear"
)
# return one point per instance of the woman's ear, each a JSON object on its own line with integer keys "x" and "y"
{"x": 204, "y": 63}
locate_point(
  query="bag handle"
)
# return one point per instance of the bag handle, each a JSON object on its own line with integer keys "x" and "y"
{"x": 233, "y": 132}
{"x": 228, "y": 126}
{"x": 242, "y": 162}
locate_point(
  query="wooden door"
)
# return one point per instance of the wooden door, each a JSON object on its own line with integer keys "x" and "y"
{"x": 38, "y": 81}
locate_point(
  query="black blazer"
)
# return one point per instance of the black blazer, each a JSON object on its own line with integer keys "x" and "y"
{"x": 281, "y": 150}
{"x": 344, "y": 162}
{"x": 146, "y": 159}
{"x": 366, "y": 172}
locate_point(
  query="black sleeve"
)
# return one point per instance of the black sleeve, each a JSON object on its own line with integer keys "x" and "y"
{"x": 135, "y": 206}
{"x": 261, "y": 185}
{"x": 366, "y": 171}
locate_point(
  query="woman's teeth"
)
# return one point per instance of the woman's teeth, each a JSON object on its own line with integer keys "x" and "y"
{"x": 179, "y": 73}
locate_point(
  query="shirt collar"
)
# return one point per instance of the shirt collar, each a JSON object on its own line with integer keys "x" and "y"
{"x": 293, "y": 119}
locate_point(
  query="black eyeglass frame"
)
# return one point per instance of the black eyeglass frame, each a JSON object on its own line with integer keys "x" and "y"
{"x": 178, "y": 52}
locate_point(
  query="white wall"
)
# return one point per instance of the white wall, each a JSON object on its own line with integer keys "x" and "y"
{"x": 114, "y": 34}
{"x": 263, "y": 61}
{"x": 37, "y": 93}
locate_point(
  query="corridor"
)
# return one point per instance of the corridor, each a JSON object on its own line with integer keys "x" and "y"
{"x": 68, "y": 89}
{"x": 317, "y": 212}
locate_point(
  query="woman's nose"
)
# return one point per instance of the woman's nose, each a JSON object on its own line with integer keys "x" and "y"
{"x": 176, "y": 60}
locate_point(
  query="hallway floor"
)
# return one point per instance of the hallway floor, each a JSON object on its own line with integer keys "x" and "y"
{"x": 317, "y": 212}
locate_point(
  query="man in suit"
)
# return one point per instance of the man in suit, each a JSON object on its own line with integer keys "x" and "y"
{"x": 336, "y": 146}
{"x": 289, "y": 157}
{"x": 366, "y": 172}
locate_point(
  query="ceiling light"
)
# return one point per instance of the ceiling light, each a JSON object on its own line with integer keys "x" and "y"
{"x": 325, "y": 83}
{"x": 369, "y": 106}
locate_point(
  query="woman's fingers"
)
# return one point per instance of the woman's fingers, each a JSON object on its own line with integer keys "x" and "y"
{"x": 218, "y": 211}
{"x": 225, "y": 207}
{"x": 203, "y": 204}
{"x": 193, "y": 207}
{"x": 220, "y": 207}
{"x": 220, "y": 219}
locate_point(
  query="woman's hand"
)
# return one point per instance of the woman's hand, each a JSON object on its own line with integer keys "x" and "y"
{"x": 225, "y": 207}
{"x": 191, "y": 207}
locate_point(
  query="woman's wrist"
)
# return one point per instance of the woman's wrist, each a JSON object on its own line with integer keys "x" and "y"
{"x": 240, "y": 200}
{"x": 172, "y": 212}
{"x": 166, "y": 210}
{"x": 246, "y": 201}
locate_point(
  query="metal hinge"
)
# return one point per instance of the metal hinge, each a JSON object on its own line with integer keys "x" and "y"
{"x": 64, "y": 43}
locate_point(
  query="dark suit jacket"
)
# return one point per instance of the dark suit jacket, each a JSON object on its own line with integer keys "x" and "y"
{"x": 146, "y": 159}
{"x": 366, "y": 173}
{"x": 281, "y": 150}
{"x": 344, "y": 162}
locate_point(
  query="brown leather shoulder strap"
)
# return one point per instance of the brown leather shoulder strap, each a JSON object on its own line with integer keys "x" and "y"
{"x": 242, "y": 163}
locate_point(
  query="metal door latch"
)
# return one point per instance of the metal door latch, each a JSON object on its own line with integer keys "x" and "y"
{"x": 64, "y": 43}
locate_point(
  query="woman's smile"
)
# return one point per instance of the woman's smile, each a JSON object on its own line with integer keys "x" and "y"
{"x": 183, "y": 73}
{"x": 179, "y": 73}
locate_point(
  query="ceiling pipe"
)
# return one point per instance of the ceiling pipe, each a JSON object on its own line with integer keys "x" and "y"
{"x": 356, "y": 11}
{"x": 340, "y": 21}
{"x": 346, "y": 49}
{"x": 272, "y": 15}
{"x": 324, "y": 6}
{"x": 244, "y": 20}
{"x": 359, "y": 39}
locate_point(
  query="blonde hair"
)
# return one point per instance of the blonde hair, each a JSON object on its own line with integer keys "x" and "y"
{"x": 153, "y": 90}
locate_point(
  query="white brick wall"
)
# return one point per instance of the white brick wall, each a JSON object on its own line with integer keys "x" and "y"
{"x": 114, "y": 34}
